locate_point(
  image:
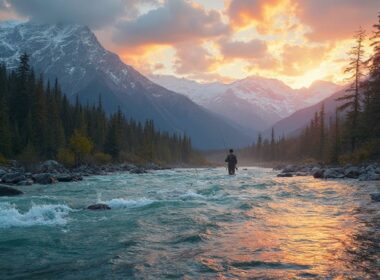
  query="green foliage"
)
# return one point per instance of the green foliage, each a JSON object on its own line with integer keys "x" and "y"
{"x": 37, "y": 121}
{"x": 3, "y": 160}
{"x": 28, "y": 156}
{"x": 102, "y": 158}
{"x": 66, "y": 157}
{"x": 81, "y": 146}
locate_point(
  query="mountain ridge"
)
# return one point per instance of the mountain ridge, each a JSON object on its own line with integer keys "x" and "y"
{"x": 261, "y": 102}
{"x": 85, "y": 69}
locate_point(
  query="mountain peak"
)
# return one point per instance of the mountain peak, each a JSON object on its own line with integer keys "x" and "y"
{"x": 72, "y": 53}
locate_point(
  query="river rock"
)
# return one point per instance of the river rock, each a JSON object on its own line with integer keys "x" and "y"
{"x": 318, "y": 173}
{"x": 289, "y": 169}
{"x": 69, "y": 178}
{"x": 2, "y": 173}
{"x": 352, "y": 172}
{"x": 27, "y": 182}
{"x": 285, "y": 175}
{"x": 99, "y": 206}
{"x": 8, "y": 191}
{"x": 302, "y": 173}
{"x": 50, "y": 166}
{"x": 375, "y": 197}
{"x": 138, "y": 170}
{"x": 369, "y": 177}
{"x": 44, "y": 179}
{"x": 333, "y": 173}
{"x": 13, "y": 178}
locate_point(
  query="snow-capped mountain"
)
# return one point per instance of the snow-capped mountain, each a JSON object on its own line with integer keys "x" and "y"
{"x": 294, "y": 124}
{"x": 85, "y": 69}
{"x": 255, "y": 102}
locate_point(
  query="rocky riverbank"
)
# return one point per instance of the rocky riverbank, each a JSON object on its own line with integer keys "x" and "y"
{"x": 364, "y": 172}
{"x": 52, "y": 172}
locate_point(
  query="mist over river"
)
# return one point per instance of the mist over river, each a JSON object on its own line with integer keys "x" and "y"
{"x": 192, "y": 224}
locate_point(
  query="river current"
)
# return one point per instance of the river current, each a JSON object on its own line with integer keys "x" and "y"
{"x": 192, "y": 224}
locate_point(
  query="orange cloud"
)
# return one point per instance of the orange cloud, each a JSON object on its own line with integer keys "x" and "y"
{"x": 239, "y": 49}
{"x": 268, "y": 16}
{"x": 326, "y": 19}
{"x": 193, "y": 58}
{"x": 297, "y": 60}
{"x": 335, "y": 20}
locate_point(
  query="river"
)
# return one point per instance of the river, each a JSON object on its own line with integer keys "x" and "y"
{"x": 192, "y": 224}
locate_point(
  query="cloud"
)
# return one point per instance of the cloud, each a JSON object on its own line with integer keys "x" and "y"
{"x": 326, "y": 19}
{"x": 174, "y": 22}
{"x": 297, "y": 60}
{"x": 192, "y": 59}
{"x": 338, "y": 19}
{"x": 243, "y": 12}
{"x": 239, "y": 49}
{"x": 94, "y": 13}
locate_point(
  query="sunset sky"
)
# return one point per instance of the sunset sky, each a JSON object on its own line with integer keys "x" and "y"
{"x": 296, "y": 41}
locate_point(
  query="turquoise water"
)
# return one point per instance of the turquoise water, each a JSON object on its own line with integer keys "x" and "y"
{"x": 192, "y": 224}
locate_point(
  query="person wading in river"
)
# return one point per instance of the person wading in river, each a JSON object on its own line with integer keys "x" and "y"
{"x": 232, "y": 161}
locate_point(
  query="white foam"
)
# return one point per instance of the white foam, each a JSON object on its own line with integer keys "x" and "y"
{"x": 37, "y": 215}
{"x": 192, "y": 194}
{"x": 120, "y": 203}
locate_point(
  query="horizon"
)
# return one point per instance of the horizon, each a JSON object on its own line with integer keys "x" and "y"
{"x": 219, "y": 41}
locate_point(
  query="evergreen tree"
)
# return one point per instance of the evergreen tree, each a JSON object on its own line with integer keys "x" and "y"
{"x": 352, "y": 98}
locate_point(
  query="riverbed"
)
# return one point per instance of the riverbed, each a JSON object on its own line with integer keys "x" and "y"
{"x": 192, "y": 224}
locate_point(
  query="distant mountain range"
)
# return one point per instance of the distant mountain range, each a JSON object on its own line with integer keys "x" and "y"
{"x": 214, "y": 115}
{"x": 85, "y": 69}
{"x": 256, "y": 103}
{"x": 293, "y": 124}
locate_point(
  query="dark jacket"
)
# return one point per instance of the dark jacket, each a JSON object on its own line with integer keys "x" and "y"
{"x": 231, "y": 159}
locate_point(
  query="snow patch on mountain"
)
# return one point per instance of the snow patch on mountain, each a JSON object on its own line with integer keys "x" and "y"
{"x": 261, "y": 99}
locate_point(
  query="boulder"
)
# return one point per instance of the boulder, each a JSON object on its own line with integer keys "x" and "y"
{"x": 279, "y": 167}
{"x": 375, "y": 197}
{"x": 152, "y": 166}
{"x": 27, "y": 182}
{"x": 352, "y": 172}
{"x": 318, "y": 173}
{"x": 98, "y": 206}
{"x": 2, "y": 173}
{"x": 138, "y": 170}
{"x": 299, "y": 174}
{"x": 127, "y": 166}
{"x": 369, "y": 177}
{"x": 44, "y": 179}
{"x": 69, "y": 178}
{"x": 50, "y": 166}
{"x": 7, "y": 191}
{"x": 333, "y": 173}
{"x": 13, "y": 178}
{"x": 286, "y": 175}
{"x": 289, "y": 169}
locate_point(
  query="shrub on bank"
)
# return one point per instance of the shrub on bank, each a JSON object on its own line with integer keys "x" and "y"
{"x": 102, "y": 158}
{"x": 66, "y": 157}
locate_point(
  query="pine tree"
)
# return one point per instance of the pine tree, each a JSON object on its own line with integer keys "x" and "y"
{"x": 322, "y": 140}
{"x": 374, "y": 83}
{"x": 352, "y": 98}
{"x": 272, "y": 146}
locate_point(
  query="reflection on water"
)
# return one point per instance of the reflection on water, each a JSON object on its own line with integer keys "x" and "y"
{"x": 305, "y": 234}
{"x": 184, "y": 225}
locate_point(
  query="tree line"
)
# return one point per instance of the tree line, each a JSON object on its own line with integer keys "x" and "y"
{"x": 353, "y": 133}
{"x": 38, "y": 122}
